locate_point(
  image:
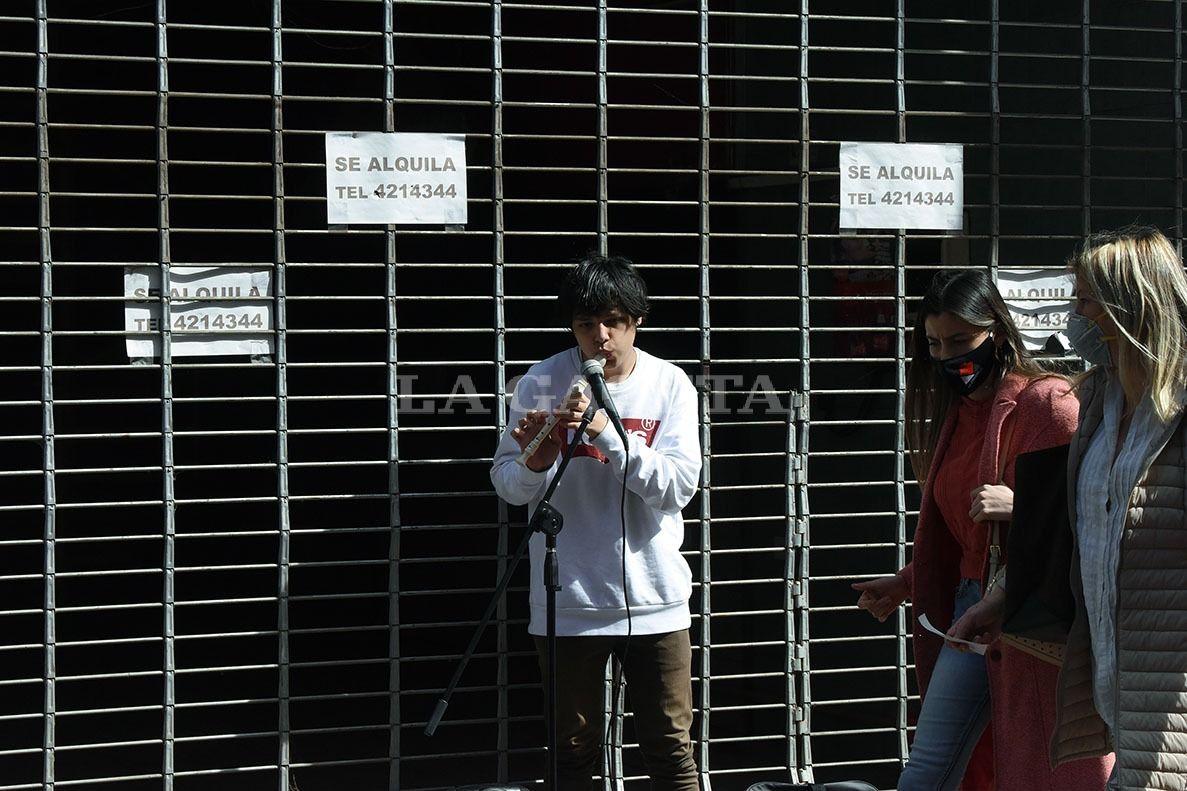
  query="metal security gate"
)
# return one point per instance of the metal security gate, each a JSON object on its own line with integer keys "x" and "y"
{"x": 237, "y": 572}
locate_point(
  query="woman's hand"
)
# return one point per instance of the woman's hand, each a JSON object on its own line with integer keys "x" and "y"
{"x": 992, "y": 503}
{"x": 882, "y": 596}
{"x": 981, "y": 623}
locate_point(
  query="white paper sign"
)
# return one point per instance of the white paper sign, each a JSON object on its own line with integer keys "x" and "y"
{"x": 1039, "y": 301}
{"x": 976, "y": 648}
{"x": 902, "y": 185}
{"x": 390, "y": 178}
{"x": 214, "y": 311}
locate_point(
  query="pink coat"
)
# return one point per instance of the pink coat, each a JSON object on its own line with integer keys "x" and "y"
{"x": 1022, "y": 689}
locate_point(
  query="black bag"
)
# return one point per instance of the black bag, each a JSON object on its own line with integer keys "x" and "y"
{"x": 1039, "y": 604}
{"x": 844, "y": 785}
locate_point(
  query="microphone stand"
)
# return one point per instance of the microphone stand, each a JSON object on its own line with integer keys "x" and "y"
{"x": 549, "y": 521}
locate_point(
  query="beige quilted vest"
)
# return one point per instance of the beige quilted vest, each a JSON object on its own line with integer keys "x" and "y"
{"x": 1151, "y": 737}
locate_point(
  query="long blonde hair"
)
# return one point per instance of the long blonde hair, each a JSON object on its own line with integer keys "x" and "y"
{"x": 1137, "y": 277}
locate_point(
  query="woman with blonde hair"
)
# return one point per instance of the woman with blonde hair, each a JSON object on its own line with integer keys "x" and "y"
{"x": 1123, "y": 686}
{"x": 974, "y": 402}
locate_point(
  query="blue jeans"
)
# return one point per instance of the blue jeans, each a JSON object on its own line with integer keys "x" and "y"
{"x": 955, "y": 712}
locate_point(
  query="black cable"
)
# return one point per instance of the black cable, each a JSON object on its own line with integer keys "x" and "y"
{"x": 579, "y": 438}
{"x": 626, "y": 598}
{"x": 618, "y": 678}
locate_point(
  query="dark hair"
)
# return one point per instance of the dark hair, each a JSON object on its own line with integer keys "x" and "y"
{"x": 600, "y": 283}
{"x": 971, "y": 296}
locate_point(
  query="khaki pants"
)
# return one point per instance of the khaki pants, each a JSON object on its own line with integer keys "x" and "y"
{"x": 658, "y": 670}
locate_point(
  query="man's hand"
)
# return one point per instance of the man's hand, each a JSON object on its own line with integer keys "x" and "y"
{"x": 981, "y": 623}
{"x": 882, "y": 596}
{"x": 529, "y": 426}
{"x": 571, "y": 412}
{"x": 993, "y": 503}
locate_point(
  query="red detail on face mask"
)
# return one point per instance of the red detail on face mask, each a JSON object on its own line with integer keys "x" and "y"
{"x": 967, "y": 369}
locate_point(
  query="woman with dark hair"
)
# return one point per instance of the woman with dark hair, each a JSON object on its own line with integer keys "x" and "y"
{"x": 974, "y": 402}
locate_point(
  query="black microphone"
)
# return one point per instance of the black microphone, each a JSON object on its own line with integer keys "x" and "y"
{"x": 594, "y": 371}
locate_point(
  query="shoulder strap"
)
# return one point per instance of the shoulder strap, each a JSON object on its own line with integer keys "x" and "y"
{"x": 995, "y": 534}
{"x": 1003, "y": 448}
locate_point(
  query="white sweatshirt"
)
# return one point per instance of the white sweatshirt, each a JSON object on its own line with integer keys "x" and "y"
{"x": 658, "y": 405}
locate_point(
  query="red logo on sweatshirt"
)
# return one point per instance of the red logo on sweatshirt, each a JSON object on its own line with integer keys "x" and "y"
{"x": 639, "y": 430}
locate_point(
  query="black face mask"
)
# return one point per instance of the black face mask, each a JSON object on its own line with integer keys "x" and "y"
{"x": 968, "y": 371}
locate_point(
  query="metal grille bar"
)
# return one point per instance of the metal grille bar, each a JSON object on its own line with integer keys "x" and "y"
{"x": 902, "y": 460}
{"x": 704, "y": 251}
{"x": 799, "y": 695}
{"x": 49, "y": 535}
{"x": 395, "y": 712}
{"x": 168, "y": 496}
{"x": 284, "y": 526}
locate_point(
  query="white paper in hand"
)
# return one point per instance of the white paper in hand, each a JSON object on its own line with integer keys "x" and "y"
{"x": 976, "y": 648}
